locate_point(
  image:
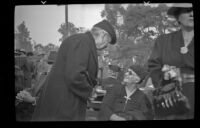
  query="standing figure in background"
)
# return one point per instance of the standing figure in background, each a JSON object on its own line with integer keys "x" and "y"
{"x": 73, "y": 75}
{"x": 176, "y": 49}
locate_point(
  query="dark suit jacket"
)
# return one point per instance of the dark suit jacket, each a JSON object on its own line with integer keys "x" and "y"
{"x": 66, "y": 89}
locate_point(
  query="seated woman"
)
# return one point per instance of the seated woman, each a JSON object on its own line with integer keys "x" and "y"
{"x": 125, "y": 101}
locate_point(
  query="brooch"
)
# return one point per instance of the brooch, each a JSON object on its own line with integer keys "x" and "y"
{"x": 184, "y": 50}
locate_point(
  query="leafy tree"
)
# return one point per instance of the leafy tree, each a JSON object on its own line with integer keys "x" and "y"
{"x": 139, "y": 19}
{"x": 66, "y": 31}
{"x": 39, "y": 45}
{"x": 49, "y": 47}
{"x": 141, "y": 23}
{"x": 39, "y": 48}
{"x": 23, "y": 37}
{"x": 136, "y": 34}
{"x": 113, "y": 13}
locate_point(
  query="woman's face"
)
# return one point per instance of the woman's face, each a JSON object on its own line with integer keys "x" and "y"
{"x": 186, "y": 17}
{"x": 131, "y": 77}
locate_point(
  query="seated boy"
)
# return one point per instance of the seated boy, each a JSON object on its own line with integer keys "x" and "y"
{"x": 125, "y": 101}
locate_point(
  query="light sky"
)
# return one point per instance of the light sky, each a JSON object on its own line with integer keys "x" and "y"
{"x": 43, "y": 21}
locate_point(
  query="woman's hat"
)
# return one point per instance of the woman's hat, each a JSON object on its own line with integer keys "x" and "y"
{"x": 105, "y": 25}
{"x": 174, "y": 10}
{"x": 139, "y": 70}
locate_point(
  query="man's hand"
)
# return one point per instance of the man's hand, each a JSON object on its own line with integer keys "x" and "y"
{"x": 115, "y": 117}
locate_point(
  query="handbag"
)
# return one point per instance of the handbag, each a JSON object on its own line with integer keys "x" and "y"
{"x": 170, "y": 101}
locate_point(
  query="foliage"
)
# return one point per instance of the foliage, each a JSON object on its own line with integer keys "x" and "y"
{"x": 39, "y": 45}
{"x": 66, "y": 31}
{"x": 49, "y": 47}
{"x": 23, "y": 37}
{"x": 112, "y": 13}
{"x": 138, "y": 19}
{"x": 139, "y": 27}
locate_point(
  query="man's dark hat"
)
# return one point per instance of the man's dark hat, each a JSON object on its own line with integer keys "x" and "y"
{"x": 105, "y": 25}
{"x": 176, "y": 7}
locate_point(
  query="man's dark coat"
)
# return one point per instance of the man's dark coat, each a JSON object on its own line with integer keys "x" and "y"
{"x": 66, "y": 89}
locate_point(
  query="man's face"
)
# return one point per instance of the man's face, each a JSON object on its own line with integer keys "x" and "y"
{"x": 186, "y": 17}
{"x": 103, "y": 41}
{"x": 131, "y": 77}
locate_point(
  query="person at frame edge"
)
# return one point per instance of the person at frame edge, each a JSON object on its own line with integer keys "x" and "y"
{"x": 67, "y": 89}
{"x": 176, "y": 49}
{"x": 30, "y": 95}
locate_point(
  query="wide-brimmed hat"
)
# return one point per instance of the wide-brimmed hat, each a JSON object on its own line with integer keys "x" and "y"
{"x": 139, "y": 70}
{"x": 105, "y": 25}
{"x": 172, "y": 11}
